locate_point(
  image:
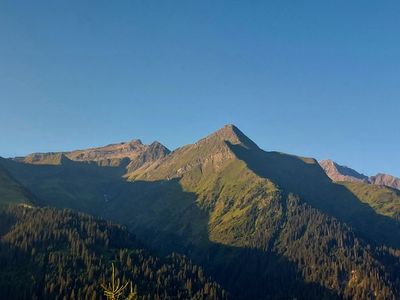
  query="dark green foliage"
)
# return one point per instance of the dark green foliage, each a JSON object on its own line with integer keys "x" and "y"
{"x": 51, "y": 254}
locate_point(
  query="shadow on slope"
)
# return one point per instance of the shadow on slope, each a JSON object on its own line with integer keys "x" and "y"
{"x": 75, "y": 185}
{"x": 169, "y": 220}
{"x": 305, "y": 178}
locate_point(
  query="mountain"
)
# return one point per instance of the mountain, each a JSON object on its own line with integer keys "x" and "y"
{"x": 385, "y": 179}
{"x": 51, "y": 254}
{"x": 122, "y": 150}
{"x": 51, "y": 158}
{"x": 266, "y": 225}
{"x": 380, "y": 192}
{"x": 341, "y": 173}
{"x": 337, "y": 172}
{"x": 134, "y": 154}
{"x": 383, "y": 199}
{"x": 246, "y": 198}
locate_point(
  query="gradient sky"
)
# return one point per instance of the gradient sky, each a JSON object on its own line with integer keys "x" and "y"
{"x": 313, "y": 78}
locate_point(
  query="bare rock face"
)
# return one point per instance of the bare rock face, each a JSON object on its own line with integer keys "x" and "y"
{"x": 337, "y": 172}
{"x": 385, "y": 179}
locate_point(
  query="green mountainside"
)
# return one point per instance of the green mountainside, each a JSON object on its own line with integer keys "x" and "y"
{"x": 51, "y": 254}
{"x": 266, "y": 225}
{"x": 11, "y": 191}
{"x": 384, "y": 200}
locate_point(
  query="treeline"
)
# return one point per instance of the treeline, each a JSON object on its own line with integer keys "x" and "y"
{"x": 51, "y": 254}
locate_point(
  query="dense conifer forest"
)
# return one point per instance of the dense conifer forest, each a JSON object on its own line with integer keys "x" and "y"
{"x": 50, "y": 254}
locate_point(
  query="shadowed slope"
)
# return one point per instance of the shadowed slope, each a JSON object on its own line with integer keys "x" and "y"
{"x": 11, "y": 191}
{"x": 305, "y": 178}
{"x": 337, "y": 172}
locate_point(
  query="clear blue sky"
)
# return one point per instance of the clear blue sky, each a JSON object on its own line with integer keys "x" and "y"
{"x": 314, "y": 78}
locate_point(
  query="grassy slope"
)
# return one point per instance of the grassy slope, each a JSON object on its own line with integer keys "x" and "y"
{"x": 384, "y": 200}
{"x": 11, "y": 192}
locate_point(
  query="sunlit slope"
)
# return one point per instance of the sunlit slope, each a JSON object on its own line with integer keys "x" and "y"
{"x": 384, "y": 200}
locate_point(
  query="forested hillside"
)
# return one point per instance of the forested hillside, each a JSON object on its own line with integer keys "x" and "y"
{"x": 51, "y": 254}
{"x": 265, "y": 225}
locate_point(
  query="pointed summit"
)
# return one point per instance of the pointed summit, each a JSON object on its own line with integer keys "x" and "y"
{"x": 230, "y": 133}
{"x": 208, "y": 156}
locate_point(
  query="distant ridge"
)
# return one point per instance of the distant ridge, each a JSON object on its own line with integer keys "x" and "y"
{"x": 51, "y": 158}
{"x": 132, "y": 154}
{"x": 342, "y": 173}
{"x": 385, "y": 179}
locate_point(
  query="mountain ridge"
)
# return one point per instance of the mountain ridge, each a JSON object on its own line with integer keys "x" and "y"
{"x": 339, "y": 173}
{"x": 132, "y": 154}
{"x": 225, "y": 202}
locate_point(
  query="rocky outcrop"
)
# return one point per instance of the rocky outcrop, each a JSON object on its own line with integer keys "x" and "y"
{"x": 337, "y": 172}
{"x": 385, "y": 179}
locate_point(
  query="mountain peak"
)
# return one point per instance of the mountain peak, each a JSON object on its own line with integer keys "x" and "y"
{"x": 134, "y": 142}
{"x": 341, "y": 173}
{"x": 230, "y": 133}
